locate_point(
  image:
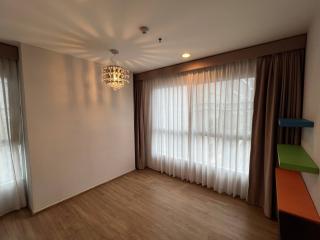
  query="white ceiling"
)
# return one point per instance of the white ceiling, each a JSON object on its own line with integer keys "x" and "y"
{"x": 88, "y": 28}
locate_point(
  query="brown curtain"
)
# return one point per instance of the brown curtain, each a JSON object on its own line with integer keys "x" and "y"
{"x": 139, "y": 125}
{"x": 279, "y": 93}
{"x": 9, "y": 52}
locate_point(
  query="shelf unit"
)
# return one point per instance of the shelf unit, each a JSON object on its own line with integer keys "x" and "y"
{"x": 298, "y": 217}
{"x": 294, "y": 157}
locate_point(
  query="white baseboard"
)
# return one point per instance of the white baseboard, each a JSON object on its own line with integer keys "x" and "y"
{"x": 35, "y": 211}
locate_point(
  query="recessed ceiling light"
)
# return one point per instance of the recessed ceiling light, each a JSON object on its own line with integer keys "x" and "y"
{"x": 186, "y": 55}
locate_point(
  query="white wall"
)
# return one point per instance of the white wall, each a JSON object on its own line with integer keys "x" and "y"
{"x": 80, "y": 133}
{"x": 311, "y": 108}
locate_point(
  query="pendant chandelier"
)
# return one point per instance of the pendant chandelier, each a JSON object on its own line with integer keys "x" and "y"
{"x": 115, "y": 76}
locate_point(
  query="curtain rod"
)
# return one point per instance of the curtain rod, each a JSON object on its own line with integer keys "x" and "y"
{"x": 282, "y": 45}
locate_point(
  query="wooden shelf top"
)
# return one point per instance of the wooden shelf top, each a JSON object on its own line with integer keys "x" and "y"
{"x": 293, "y": 196}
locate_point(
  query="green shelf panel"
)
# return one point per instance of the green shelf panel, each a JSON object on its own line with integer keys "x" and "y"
{"x": 294, "y": 157}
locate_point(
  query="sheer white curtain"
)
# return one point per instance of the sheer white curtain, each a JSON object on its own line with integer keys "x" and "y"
{"x": 12, "y": 183}
{"x": 199, "y": 126}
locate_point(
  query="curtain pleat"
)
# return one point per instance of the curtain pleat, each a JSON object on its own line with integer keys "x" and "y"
{"x": 140, "y": 161}
{"x": 279, "y": 93}
{"x": 197, "y": 126}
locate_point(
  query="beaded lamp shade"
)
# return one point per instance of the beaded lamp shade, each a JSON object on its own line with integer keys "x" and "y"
{"x": 115, "y": 76}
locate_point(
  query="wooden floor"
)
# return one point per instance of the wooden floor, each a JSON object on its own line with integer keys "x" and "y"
{"x": 143, "y": 205}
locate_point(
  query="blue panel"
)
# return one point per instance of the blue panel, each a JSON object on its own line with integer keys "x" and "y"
{"x": 291, "y": 122}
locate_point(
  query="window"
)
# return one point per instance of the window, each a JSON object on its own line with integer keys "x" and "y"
{"x": 201, "y": 126}
{"x": 12, "y": 174}
{"x": 5, "y": 163}
{"x": 171, "y": 126}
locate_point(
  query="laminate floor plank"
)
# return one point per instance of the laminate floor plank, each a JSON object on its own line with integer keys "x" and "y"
{"x": 143, "y": 205}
